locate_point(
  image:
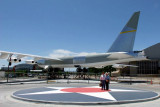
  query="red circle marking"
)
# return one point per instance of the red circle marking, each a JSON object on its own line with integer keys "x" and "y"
{"x": 83, "y": 90}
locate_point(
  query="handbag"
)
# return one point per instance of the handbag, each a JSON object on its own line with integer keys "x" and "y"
{"x": 100, "y": 84}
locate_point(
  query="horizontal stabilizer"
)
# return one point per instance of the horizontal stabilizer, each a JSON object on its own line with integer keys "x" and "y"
{"x": 122, "y": 66}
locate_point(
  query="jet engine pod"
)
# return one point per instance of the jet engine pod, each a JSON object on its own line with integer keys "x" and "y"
{"x": 30, "y": 62}
{"x": 48, "y": 68}
{"x": 119, "y": 66}
{"x": 19, "y": 60}
{"x": 14, "y": 60}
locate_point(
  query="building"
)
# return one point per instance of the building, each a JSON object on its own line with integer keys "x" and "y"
{"x": 151, "y": 66}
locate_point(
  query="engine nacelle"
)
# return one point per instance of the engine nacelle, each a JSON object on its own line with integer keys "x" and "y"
{"x": 30, "y": 62}
{"x": 14, "y": 60}
{"x": 120, "y": 66}
{"x": 48, "y": 68}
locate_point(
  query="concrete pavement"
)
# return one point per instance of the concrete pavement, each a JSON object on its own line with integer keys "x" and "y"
{"x": 7, "y": 101}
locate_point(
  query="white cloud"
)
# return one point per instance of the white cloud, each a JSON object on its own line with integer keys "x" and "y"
{"x": 64, "y": 53}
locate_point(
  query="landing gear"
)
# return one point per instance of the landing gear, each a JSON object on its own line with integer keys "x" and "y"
{"x": 81, "y": 73}
{"x": 53, "y": 73}
{"x": 85, "y": 70}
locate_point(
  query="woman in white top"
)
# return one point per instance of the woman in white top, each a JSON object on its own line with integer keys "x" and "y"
{"x": 102, "y": 79}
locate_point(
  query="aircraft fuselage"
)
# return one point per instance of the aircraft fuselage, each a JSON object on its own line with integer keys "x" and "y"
{"x": 98, "y": 60}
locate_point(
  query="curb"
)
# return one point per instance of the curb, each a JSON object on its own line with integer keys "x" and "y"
{"x": 88, "y": 103}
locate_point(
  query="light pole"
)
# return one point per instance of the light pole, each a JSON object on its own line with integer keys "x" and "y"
{"x": 9, "y": 64}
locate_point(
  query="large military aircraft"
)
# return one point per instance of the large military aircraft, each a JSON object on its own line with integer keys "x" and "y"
{"x": 121, "y": 51}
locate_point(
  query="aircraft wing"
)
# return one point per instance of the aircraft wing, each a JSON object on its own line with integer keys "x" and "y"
{"x": 5, "y": 55}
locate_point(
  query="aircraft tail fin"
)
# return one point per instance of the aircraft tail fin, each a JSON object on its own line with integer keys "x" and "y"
{"x": 126, "y": 38}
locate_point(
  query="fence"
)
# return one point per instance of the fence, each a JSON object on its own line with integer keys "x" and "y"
{"x": 77, "y": 77}
{"x": 140, "y": 78}
{"x": 26, "y": 77}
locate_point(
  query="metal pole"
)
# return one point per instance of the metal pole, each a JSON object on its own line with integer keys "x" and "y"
{"x": 68, "y": 80}
{"x": 47, "y": 76}
{"x": 7, "y": 73}
{"x": 88, "y": 78}
{"x": 9, "y": 63}
{"x": 130, "y": 80}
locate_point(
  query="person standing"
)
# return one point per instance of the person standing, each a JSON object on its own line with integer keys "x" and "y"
{"x": 102, "y": 79}
{"x": 107, "y": 80}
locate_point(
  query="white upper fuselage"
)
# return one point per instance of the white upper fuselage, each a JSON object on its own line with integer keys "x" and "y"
{"x": 98, "y": 60}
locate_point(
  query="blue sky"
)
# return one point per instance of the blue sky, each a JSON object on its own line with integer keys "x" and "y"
{"x": 41, "y": 27}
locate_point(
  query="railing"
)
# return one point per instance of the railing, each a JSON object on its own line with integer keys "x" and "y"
{"x": 140, "y": 78}
{"x": 78, "y": 77}
{"x": 24, "y": 77}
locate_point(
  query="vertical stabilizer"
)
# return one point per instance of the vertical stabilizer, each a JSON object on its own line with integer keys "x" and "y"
{"x": 125, "y": 40}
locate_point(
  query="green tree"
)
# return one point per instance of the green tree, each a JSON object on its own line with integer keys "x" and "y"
{"x": 94, "y": 70}
{"x": 109, "y": 69}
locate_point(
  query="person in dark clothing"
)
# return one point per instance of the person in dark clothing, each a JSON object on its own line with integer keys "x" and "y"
{"x": 107, "y": 80}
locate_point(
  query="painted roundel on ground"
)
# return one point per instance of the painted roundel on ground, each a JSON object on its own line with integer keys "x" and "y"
{"x": 86, "y": 95}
